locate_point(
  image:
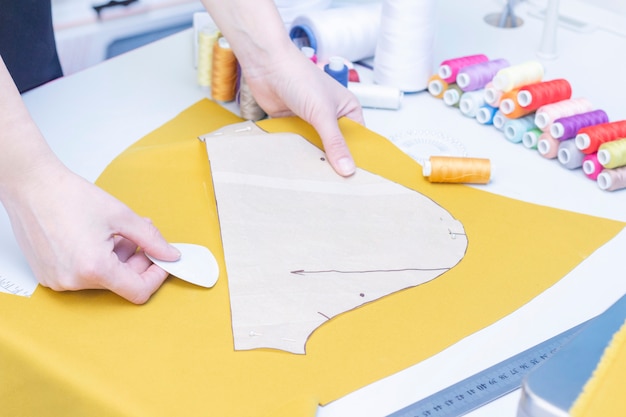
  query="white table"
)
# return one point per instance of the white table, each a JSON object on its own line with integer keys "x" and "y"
{"x": 90, "y": 117}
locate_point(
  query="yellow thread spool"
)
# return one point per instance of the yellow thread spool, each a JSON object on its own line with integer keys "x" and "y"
{"x": 454, "y": 169}
{"x": 206, "y": 42}
{"x": 612, "y": 154}
{"x": 224, "y": 72}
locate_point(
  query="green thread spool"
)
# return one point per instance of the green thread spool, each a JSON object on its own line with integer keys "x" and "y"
{"x": 612, "y": 154}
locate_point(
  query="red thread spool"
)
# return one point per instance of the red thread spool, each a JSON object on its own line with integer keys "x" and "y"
{"x": 590, "y": 138}
{"x": 533, "y": 96}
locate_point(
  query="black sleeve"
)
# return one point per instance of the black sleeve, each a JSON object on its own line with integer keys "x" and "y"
{"x": 27, "y": 43}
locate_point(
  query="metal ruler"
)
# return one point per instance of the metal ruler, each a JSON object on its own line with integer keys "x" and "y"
{"x": 489, "y": 384}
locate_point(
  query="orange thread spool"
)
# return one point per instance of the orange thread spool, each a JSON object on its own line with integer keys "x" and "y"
{"x": 224, "y": 73}
{"x": 535, "y": 95}
{"x": 454, "y": 169}
{"x": 437, "y": 86}
{"x": 510, "y": 107}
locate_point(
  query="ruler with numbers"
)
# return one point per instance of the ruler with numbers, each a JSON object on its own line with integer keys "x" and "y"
{"x": 489, "y": 384}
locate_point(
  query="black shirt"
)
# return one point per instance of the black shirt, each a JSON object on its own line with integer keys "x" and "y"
{"x": 27, "y": 42}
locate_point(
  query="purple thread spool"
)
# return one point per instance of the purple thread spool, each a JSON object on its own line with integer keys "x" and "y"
{"x": 476, "y": 76}
{"x": 567, "y": 127}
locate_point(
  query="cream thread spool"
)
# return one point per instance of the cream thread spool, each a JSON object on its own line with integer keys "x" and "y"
{"x": 206, "y": 39}
{"x": 454, "y": 169}
{"x": 519, "y": 75}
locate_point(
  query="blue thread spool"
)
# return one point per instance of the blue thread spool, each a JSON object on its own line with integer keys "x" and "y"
{"x": 337, "y": 69}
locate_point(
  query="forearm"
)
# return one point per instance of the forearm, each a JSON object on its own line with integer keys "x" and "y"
{"x": 255, "y": 30}
{"x": 23, "y": 150}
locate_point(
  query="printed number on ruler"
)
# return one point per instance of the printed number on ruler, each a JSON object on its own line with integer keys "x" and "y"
{"x": 489, "y": 384}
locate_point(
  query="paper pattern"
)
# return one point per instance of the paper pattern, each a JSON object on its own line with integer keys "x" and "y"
{"x": 303, "y": 244}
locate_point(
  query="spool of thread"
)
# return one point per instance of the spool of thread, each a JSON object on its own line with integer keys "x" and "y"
{"x": 510, "y": 107}
{"x": 405, "y": 47}
{"x": 533, "y": 96}
{"x": 548, "y": 146}
{"x": 612, "y": 179}
{"x": 350, "y": 31}
{"x": 477, "y": 76}
{"x": 547, "y": 114}
{"x": 590, "y": 138}
{"x": 530, "y": 139}
{"x": 309, "y": 53}
{"x": 499, "y": 120}
{"x": 224, "y": 74}
{"x": 569, "y": 155}
{"x": 437, "y": 86}
{"x": 591, "y": 166}
{"x": 612, "y": 154}
{"x": 337, "y": 69}
{"x": 452, "y": 95}
{"x": 493, "y": 96}
{"x": 206, "y": 39}
{"x": 449, "y": 68}
{"x": 514, "y": 129}
{"x": 568, "y": 127}
{"x": 518, "y": 75}
{"x": 377, "y": 96}
{"x": 485, "y": 114}
{"x": 454, "y": 169}
{"x": 470, "y": 102}
{"x": 248, "y": 107}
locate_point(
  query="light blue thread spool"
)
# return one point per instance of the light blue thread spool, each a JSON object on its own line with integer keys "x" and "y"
{"x": 514, "y": 129}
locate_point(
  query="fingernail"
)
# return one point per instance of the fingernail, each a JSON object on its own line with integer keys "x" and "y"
{"x": 346, "y": 166}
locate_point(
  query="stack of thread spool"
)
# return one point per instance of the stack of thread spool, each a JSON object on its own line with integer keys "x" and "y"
{"x": 218, "y": 70}
{"x": 536, "y": 113}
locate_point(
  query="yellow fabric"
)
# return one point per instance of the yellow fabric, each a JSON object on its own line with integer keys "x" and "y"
{"x": 603, "y": 394}
{"x": 92, "y": 353}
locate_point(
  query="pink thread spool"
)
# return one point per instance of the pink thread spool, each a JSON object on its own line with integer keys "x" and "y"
{"x": 548, "y": 146}
{"x": 591, "y": 166}
{"x": 547, "y": 114}
{"x": 493, "y": 96}
{"x": 612, "y": 179}
{"x": 449, "y": 68}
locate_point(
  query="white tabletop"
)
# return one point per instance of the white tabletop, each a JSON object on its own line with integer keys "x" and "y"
{"x": 91, "y": 116}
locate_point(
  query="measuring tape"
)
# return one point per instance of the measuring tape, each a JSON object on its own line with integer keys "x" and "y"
{"x": 489, "y": 384}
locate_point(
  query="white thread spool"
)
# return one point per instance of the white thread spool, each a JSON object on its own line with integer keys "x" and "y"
{"x": 405, "y": 48}
{"x": 377, "y": 96}
{"x": 350, "y": 32}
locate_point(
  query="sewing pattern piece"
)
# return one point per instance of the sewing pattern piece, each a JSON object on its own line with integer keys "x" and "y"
{"x": 303, "y": 245}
